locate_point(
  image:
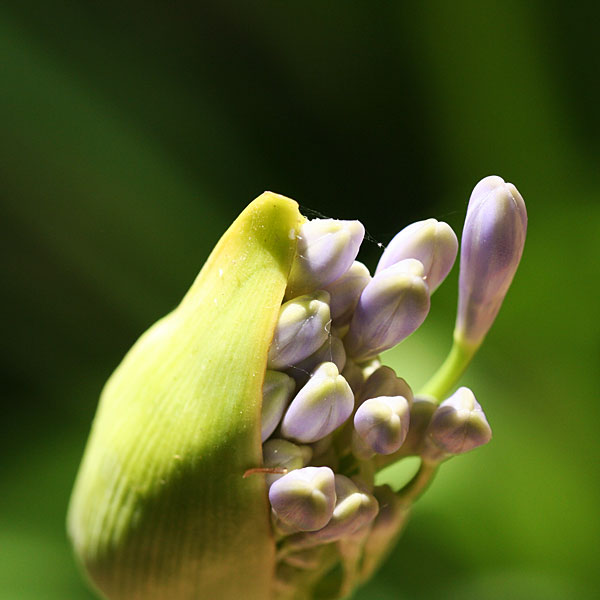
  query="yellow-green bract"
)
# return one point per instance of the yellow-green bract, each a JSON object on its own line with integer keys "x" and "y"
{"x": 160, "y": 507}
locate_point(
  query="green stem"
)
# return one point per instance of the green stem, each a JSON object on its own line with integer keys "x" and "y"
{"x": 451, "y": 370}
{"x": 419, "y": 483}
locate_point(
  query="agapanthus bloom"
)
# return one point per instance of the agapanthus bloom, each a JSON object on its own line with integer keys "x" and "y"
{"x": 235, "y": 449}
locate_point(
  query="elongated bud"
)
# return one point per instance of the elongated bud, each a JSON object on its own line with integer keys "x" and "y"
{"x": 283, "y": 454}
{"x": 332, "y": 350}
{"x": 345, "y": 292}
{"x": 382, "y": 423}
{"x": 431, "y": 242}
{"x": 392, "y": 306}
{"x": 326, "y": 249}
{"x": 384, "y": 382}
{"x": 459, "y": 424}
{"x": 304, "y": 498}
{"x": 277, "y": 391}
{"x": 355, "y": 507}
{"x": 492, "y": 245}
{"x": 302, "y": 328}
{"x": 321, "y": 406}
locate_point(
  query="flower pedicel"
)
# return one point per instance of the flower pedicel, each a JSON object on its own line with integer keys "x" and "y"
{"x": 235, "y": 449}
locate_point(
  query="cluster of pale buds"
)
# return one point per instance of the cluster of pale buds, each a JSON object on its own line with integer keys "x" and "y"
{"x": 331, "y": 412}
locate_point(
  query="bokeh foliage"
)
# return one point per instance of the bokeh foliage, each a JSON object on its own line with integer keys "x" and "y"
{"x": 133, "y": 134}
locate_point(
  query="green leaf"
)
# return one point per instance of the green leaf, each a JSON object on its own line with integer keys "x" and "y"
{"x": 160, "y": 507}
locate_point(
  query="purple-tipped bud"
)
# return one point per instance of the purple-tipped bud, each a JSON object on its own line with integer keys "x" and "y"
{"x": 277, "y": 391}
{"x": 459, "y": 424}
{"x": 345, "y": 292}
{"x": 321, "y": 406}
{"x": 384, "y": 382}
{"x": 326, "y": 249}
{"x": 355, "y": 508}
{"x": 492, "y": 244}
{"x": 305, "y": 498}
{"x": 421, "y": 411}
{"x": 382, "y": 423}
{"x": 302, "y": 328}
{"x": 282, "y": 454}
{"x": 332, "y": 350}
{"x": 431, "y": 242}
{"x": 392, "y": 306}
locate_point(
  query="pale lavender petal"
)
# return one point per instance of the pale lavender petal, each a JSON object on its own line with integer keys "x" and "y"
{"x": 345, "y": 292}
{"x": 382, "y": 423}
{"x": 421, "y": 411}
{"x": 321, "y": 406}
{"x": 384, "y": 382}
{"x": 284, "y": 454}
{"x": 491, "y": 248}
{"x": 277, "y": 392}
{"x": 392, "y": 306}
{"x": 302, "y": 328}
{"x": 431, "y": 242}
{"x": 326, "y": 250}
{"x": 459, "y": 424}
{"x": 304, "y": 498}
{"x": 355, "y": 508}
{"x": 332, "y": 350}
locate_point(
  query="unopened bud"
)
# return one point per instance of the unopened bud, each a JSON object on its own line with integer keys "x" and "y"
{"x": 302, "y": 328}
{"x": 321, "y": 406}
{"x": 326, "y": 249}
{"x": 353, "y": 374}
{"x": 459, "y": 424}
{"x": 382, "y": 423}
{"x": 384, "y": 382}
{"x": 283, "y": 454}
{"x": 332, "y": 350}
{"x": 491, "y": 248}
{"x": 345, "y": 292}
{"x": 421, "y": 411}
{"x": 431, "y": 242}
{"x": 355, "y": 507}
{"x": 392, "y": 306}
{"x": 304, "y": 498}
{"x": 277, "y": 391}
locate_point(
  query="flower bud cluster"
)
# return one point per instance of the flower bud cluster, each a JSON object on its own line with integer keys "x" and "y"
{"x": 332, "y": 414}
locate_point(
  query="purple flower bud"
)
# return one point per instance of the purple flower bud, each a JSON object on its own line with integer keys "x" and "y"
{"x": 332, "y": 350}
{"x": 382, "y": 423}
{"x": 384, "y": 382}
{"x": 302, "y": 328}
{"x": 321, "y": 406}
{"x": 432, "y": 242}
{"x": 492, "y": 245}
{"x": 326, "y": 249}
{"x": 305, "y": 498}
{"x": 459, "y": 424}
{"x": 392, "y": 306}
{"x": 353, "y": 374}
{"x": 277, "y": 391}
{"x": 283, "y": 454}
{"x": 345, "y": 292}
{"x": 355, "y": 508}
{"x": 421, "y": 411}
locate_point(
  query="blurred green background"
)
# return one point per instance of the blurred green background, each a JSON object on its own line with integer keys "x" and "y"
{"x": 132, "y": 133}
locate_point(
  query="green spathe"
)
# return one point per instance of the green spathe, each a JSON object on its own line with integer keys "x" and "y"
{"x": 160, "y": 508}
